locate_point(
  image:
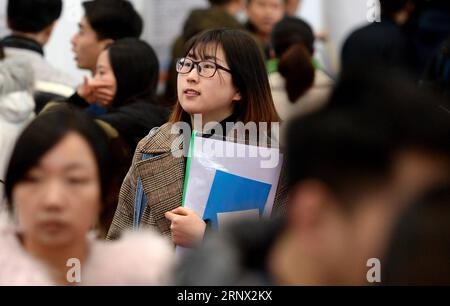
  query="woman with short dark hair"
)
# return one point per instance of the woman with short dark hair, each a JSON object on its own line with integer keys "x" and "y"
{"x": 56, "y": 185}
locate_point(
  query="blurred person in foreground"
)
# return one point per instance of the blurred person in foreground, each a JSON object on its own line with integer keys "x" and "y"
{"x": 419, "y": 249}
{"x": 56, "y": 185}
{"x": 352, "y": 167}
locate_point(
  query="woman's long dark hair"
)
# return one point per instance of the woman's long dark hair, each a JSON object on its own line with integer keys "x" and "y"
{"x": 136, "y": 68}
{"x": 293, "y": 42}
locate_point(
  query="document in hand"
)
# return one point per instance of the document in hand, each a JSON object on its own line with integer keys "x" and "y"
{"x": 226, "y": 180}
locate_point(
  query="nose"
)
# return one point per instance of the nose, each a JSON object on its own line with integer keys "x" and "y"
{"x": 73, "y": 41}
{"x": 53, "y": 195}
{"x": 268, "y": 11}
{"x": 193, "y": 76}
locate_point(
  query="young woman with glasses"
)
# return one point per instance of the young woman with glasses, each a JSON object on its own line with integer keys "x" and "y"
{"x": 222, "y": 78}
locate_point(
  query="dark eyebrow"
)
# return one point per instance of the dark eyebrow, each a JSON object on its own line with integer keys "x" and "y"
{"x": 207, "y": 57}
{"x": 192, "y": 55}
{"x": 210, "y": 57}
{"x": 70, "y": 167}
{"x": 74, "y": 166}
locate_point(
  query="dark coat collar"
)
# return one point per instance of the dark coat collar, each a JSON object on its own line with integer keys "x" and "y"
{"x": 20, "y": 42}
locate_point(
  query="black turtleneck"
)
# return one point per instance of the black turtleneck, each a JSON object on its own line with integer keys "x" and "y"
{"x": 231, "y": 119}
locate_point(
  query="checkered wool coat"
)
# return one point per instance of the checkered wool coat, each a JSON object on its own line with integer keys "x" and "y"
{"x": 163, "y": 182}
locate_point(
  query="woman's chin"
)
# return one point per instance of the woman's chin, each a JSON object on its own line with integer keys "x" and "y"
{"x": 56, "y": 240}
{"x": 192, "y": 109}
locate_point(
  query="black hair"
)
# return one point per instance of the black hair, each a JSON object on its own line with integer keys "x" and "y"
{"x": 391, "y": 7}
{"x": 368, "y": 121}
{"x": 293, "y": 42}
{"x": 44, "y": 133}
{"x": 249, "y": 1}
{"x": 415, "y": 117}
{"x": 339, "y": 148}
{"x": 419, "y": 249}
{"x": 113, "y": 19}
{"x": 220, "y": 2}
{"x": 248, "y": 72}
{"x": 33, "y": 16}
{"x": 290, "y": 31}
{"x": 297, "y": 69}
{"x": 437, "y": 74}
{"x": 136, "y": 69}
{"x": 2, "y": 52}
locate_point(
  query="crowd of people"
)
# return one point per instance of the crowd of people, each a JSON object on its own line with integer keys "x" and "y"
{"x": 95, "y": 172}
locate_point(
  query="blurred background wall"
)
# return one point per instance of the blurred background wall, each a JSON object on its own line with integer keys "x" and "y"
{"x": 164, "y": 19}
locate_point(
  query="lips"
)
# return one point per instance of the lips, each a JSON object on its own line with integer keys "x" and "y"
{"x": 191, "y": 92}
{"x": 52, "y": 226}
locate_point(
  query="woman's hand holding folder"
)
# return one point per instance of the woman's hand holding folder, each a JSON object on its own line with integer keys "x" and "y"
{"x": 187, "y": 227}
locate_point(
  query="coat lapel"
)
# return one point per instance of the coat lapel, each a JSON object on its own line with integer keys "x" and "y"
{"x": 162, "y": 177}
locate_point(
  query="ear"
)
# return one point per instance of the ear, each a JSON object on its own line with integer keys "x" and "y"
{"x": 49, "y": 30}
{"x": 237, "y": 96}
{"x": 309, "y": 203}
{"x": 44, "y": 35}
{"x": 106, "y": 42}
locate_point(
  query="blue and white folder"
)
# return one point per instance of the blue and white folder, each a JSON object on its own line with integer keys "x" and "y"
{"x": 222, "y": 185}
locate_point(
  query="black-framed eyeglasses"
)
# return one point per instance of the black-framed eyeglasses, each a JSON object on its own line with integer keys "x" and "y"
{"x": 206, "y": 69}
